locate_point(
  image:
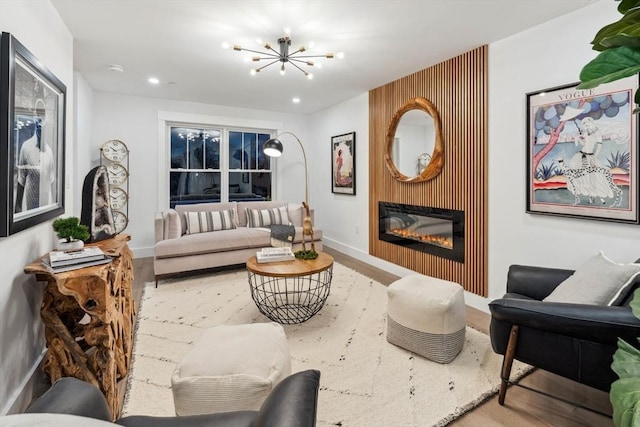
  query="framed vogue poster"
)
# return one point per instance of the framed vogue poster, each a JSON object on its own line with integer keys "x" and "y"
{"x": 343, "y": 163}
{"x": 32, "y": 116}
{"x": 582, "y": 152}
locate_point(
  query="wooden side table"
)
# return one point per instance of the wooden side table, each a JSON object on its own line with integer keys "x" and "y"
{"x": 290, "y": 292}
{"x": 88, "y": 316}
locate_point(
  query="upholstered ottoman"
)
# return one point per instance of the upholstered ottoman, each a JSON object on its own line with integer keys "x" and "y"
{"x": 231, "y": 368}
{"x": 427, "y": 316}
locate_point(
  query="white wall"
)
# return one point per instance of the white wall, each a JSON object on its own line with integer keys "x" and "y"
{"x": 546, "y": 56}
{"x": 344, "y": 219}
{"x": 38, "y": 27}
{"x": 135, "y": 120}
{"x": 83, "y": 126}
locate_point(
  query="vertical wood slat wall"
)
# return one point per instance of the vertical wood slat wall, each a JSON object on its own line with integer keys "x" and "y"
{"x": 458, "y": 89}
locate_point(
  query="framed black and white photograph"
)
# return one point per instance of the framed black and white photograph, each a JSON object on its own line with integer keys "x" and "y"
{"x": 343, "y": 164}
{"x": 32, "y": 141}
{"x": 582, "y": 152}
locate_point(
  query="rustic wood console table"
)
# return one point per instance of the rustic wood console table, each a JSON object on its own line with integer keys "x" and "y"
{"x": 88, "y": 316}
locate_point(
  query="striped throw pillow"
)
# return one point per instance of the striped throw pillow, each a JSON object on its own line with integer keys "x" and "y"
{"x": 202, "y": 222}
{"x": 266, "y": 217}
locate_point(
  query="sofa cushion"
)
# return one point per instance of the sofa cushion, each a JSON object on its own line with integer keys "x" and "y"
{"x": 265, "y": 217}
{"x": 242, "y": 207}
{"x": 173, "y": 224}
{"x": 203, "y": 207}
{"x": 216, "y": 241}
{"x": 598, "y": 281}
{"x": 202, "y": 222}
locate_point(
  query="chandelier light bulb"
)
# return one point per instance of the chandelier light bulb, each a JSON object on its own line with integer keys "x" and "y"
{"x": 340, "y": 55}
{"x": 253, "y": 72}
{"x": 310, "y": 76}
{"x": 225, "y": 45}
{"x": 282, "y": 70}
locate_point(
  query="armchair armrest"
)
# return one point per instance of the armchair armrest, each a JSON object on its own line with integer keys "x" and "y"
{"x": 72, "y": 396}
{"x": 535, "y": 282}
{"x": 601, "y": 324}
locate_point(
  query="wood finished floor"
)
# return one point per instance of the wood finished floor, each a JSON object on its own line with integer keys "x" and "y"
{"x": 522, "y": 407}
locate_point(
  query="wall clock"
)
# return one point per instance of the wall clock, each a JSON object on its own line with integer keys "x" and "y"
{"x": 118, "y": 174}
{"x": 120, "y": 221}
{"x": 118, "y": 198}
{"x": 114, "y": 150}
{"x": 115, "y": 155}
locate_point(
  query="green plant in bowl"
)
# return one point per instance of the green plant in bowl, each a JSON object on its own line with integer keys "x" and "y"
{"x": 308, "y": 254}
{"x": 70, "y": 229}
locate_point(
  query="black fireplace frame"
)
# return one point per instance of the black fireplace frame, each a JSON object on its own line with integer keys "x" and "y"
{"x": 455, "y": 216}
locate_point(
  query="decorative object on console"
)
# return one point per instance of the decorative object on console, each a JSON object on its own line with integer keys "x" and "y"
{"x": 581, "y": 160}
{"x": 32, "y": 166}
{"x": 273, "y": 148}
{"x": 284, "y": 57}
{"x": 343, "y": 164}
{"x": 71, "y": 233}
{"x": 115, "y": 153}
{"x": 96, "y": 211}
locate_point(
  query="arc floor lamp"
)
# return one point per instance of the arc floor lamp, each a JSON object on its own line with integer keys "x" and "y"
{"x": 273, "y": 148}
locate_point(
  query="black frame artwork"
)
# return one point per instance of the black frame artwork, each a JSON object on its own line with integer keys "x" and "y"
{"x": 32, "y": 139}
{"x": 582, "y": 152}
{"x": 342, "y": 183}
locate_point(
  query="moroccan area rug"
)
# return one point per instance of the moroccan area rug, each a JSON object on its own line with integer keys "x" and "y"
{"x": 365, "y": 381}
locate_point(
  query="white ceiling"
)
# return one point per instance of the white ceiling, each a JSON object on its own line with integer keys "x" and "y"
{"x": 180, "y": 41}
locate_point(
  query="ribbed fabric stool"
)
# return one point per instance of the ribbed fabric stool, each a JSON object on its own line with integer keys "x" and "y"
{"x": 231, "y": 368}
{"x": 427, "y": 316}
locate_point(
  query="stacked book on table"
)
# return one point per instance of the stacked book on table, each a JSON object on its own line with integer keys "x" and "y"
{"x": 61, "y": 261}
{"x": 274, "y": 254}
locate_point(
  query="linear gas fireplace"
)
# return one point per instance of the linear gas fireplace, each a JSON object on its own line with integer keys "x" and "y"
{"x": 433, "y": 230}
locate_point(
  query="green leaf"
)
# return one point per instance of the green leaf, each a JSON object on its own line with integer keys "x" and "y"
{"x": 626, "y": 360}
{"x": 635, "y": 302}
{"x": 624, "y": 396}
{"x": 627, "y": 5}
{"x": 610, "y": 65}
{"x": 622, "y": 26}
{"x": 630, "y": 38}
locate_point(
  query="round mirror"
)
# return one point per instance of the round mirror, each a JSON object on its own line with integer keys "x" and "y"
{"x": 414, "y": 151}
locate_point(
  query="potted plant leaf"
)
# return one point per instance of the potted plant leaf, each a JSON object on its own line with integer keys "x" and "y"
{"x": 71, "y": 233}
{"x": 619, "y": 47}
{"x": 625, "y": 391}
{"x": 619, "y": 57}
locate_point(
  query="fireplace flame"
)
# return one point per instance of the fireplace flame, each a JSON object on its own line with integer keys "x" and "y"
{"x": 433, "y": 239}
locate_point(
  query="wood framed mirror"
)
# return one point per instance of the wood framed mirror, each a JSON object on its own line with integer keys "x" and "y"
{"x": 414, "y": 149}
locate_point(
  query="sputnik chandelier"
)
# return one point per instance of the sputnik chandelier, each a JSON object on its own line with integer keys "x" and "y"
{"x": 284, "y": 57}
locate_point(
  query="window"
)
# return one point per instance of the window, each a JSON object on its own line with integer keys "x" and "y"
{"x": 217, "y": 164}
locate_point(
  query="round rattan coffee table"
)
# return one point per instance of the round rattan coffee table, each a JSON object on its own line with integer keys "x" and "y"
{"x": 290, "y": 292}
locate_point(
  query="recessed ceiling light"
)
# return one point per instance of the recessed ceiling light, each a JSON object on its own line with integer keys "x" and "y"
{"x": 116, "y": 68}
{"x": 153, "y": 80}
{"x": 296, "y": 100}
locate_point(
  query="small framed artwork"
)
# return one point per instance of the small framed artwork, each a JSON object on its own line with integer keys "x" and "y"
{"x": 343, "y": 164}
{"x": 582, "y": 152}
{"x": 32, "y": 119}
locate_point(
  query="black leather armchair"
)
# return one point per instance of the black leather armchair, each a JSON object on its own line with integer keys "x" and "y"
{"x": 575, "y": 341}
{"x": 292, "y": 403}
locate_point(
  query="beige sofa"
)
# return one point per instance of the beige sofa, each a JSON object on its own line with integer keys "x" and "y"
{"x": 176, "y": 250}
